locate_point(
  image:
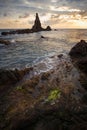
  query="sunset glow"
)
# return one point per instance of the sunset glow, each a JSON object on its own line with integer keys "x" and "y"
{"x": 56, "y": 13}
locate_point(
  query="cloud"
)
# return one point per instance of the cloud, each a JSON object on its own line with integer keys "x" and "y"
{"x": 5, "y": 14}
{"x": 53, "y": 12}
{"x": 26, "y": 15}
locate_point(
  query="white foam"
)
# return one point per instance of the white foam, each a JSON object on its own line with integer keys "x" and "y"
{"x": 13, "y": 41}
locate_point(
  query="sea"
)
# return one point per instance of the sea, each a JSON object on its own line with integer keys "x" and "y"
{"x": 26, "y": 50}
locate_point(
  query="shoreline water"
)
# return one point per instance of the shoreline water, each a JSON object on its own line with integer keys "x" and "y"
{"x": 28, "y": 48}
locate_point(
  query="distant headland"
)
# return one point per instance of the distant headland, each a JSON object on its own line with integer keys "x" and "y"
{"x": 35, "y": 28}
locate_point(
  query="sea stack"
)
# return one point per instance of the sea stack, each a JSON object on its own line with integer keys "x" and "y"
{"x": 37, "y": 24}
{"x": 35, "y": 28}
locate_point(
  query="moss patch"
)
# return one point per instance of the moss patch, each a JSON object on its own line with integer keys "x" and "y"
{"x": 54, "y": 94}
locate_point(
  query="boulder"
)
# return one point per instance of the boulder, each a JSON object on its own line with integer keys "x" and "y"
{"x": 48, "y": 28}
{"x": 82, "y": 64}
{"x": 79, "y": 55}
{"x": 79, "y": 50}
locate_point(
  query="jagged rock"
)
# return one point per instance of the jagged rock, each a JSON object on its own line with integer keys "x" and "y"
{"x": 79, "y": 55}
{"x": 30, "y": 104}
{"x": 36, "y": 28}
{"x": 12, "y": 76}
{"x": 6, "y": 42}
{"x": 79, "y": 50}
{"x": 37, "y": 24}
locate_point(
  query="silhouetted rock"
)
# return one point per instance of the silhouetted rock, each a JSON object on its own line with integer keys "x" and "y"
{"x": 48, "y": 28}
{"x": 6, "y": 42}
{"x": 37, "y": 24}
{"x": 23, "y": 31}
{"x": 36, "y": 28}
{"x": 79, "y": 50}
{"x": 42, "y": 36}
{"x": 79, "y": 55}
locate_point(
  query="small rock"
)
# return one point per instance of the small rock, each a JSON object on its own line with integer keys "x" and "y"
{"x": 5, "y": 42}
{"x": 60, "y": 56}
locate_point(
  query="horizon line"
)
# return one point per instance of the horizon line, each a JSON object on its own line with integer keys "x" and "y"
{"x": 52, "y": 28}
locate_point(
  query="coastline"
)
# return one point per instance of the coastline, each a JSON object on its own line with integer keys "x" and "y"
{"x": 35, "y": 98}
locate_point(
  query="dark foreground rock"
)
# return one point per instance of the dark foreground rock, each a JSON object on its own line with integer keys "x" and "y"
{"x": 11, "y": 77}
{"x": 79, "y": 55}
{"x": 50, "y": 100}
{"x": 5, "y": 42}
{"x": 79, "y": 50}
{"x": 36, "y": 28}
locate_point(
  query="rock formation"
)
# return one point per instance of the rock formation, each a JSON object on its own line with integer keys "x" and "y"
{"x": 48, "y": 28}
{"x": 48, "y": 101}
{"x": 79, "y": 55}
{"x": 35, "y": 28}
{"x": 79, "y": 50}
{"x": 37, "y": 24}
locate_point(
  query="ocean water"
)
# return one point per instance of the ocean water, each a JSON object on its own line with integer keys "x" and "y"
{"x": 29, "y": 49}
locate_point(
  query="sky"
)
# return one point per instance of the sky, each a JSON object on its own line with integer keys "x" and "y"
{"x": 56, "y": 13}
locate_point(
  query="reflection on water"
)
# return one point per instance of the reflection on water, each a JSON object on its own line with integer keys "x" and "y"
{"x": 27, "y": 49}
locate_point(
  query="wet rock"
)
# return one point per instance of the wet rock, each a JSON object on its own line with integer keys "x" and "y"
{"x": 42, "y": 37}
{"x": 60, "y": 56}
{"x": 11, "y": 77}
{"x": 5, "y": 42}
{"x": 26, "y": 106}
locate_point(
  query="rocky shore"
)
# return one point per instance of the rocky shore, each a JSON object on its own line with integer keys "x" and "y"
{"x": 35, "y": 28}
{"x": 52, "y": 100}
{"x": 5, "y": 42}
